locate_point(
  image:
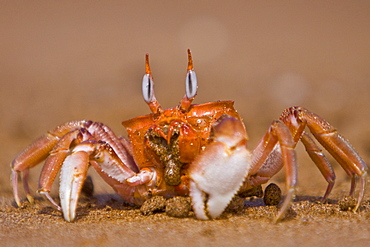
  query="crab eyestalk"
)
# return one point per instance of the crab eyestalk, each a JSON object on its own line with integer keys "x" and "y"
{"x": 191, "y": 85}
{"x": 148, "y": 88}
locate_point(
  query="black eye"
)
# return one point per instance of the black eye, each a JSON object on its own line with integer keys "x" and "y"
{"x": 148, "y": 88}
{"x": 191, "y": 84}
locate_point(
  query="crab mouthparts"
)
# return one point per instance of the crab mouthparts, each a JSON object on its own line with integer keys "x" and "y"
{"x": 172, "y": 173}
{"x": 168, "y": 153}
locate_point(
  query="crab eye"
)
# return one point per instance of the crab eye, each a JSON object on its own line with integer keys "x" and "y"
{"x": 148, "y": 88}
{"x": 191, "y": 84}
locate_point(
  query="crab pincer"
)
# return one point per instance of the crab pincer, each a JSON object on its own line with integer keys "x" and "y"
{"x": 219, "y": 171}
{"x": 72, "y": 177}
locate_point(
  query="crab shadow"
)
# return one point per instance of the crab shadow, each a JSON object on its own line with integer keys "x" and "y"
{"x": 257, "y": 206}
{"x": 115, "y": 202}
{"x": 85, "y": 204}
{"x": 258, "y": 202}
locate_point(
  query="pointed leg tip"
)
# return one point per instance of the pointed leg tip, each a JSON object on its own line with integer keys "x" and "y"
{"x": 276, "y": 220}
{"x": 358, "y": 204}
{"x": 285, "y": 206}
{"x": 279, "y": 217}
{"x": 30, "y": 198}
{"x": 363, "y": 183}
{"x": 18, "y": 202}
{"x": 50, "y": 199}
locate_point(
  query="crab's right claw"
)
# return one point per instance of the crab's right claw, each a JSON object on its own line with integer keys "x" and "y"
{"x": 219, "y": 171}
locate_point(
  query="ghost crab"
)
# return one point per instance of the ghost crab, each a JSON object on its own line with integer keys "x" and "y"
{"x": 196, "y": 150}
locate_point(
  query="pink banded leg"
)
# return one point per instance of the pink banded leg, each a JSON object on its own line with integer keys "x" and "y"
{"x": 55, "y": 160}
{"x": 31, "y": 156}
{"x": 36, "y": 152}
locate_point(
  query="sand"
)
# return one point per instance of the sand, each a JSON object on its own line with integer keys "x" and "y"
{"x": 105, "y": 220}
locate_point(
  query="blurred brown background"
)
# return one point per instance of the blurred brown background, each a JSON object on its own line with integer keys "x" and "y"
{"x": 71, "y": 60}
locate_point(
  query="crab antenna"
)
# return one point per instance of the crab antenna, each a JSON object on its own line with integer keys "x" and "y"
{"x": 148, "y": 88}
{"x": 191, "y": 85}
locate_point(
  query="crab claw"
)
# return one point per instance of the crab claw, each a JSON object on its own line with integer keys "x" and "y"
{"x": 72, "y": 177}
{"x": 218, "y": 172}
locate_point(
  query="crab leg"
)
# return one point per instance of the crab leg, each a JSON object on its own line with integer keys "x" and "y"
{"x": 26, "y": 187}
{"x": 31, "y": 156}
{"x": 120, "y": 146}
{"x": 59, "y": 153}
{"x": 266, "y": 161}
{"x": 218, "y": 172}
{"x": 55, "y": 146}
{"x": 55, "y": 160}
{"x": 333, "y": 142}
{"x": 291, "y": 118}
{"x": 35, "y": 153}
{"x": 296, "y": 127}
{"x": 321, "y": 162}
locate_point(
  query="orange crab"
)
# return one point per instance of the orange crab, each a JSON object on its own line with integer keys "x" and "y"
{"x": 196, "y": 150}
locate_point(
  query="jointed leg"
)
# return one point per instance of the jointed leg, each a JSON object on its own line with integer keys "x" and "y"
{"x": 321, "y": 162}
{"x": 37, "y": 152}
{"x": 297, "y": 118}
{"x": 272, "y": 153}
{"x": 31, "y": 156}
{"x": 55, "y": 146}
{"x": 276, "y": 149}
{"x": 56, "y": 159}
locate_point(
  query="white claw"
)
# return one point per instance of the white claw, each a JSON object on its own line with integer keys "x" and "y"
{"x": 72, "y": 177}
{"x": 216, "y": 177}
{"x": 217, "y": 174}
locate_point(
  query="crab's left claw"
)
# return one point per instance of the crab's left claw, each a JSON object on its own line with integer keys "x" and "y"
{"x": 106, "y": 162}
{"x": 218, "y": 172}
{"x": 72, "y": 177}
